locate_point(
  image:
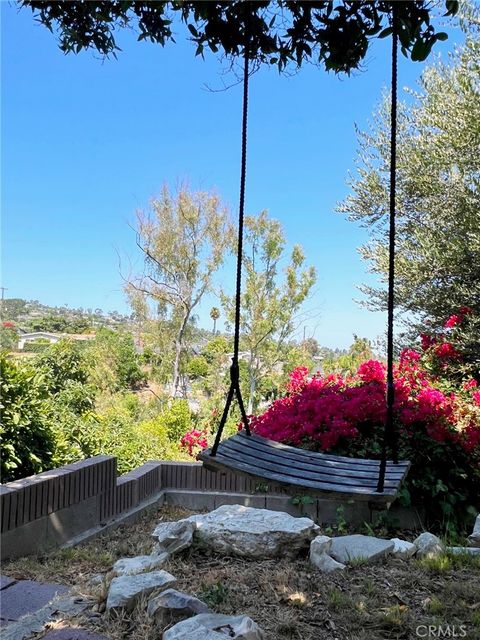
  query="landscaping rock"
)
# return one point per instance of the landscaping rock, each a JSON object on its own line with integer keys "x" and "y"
{"x": 173, "y": 536}
{"x": 254, "y": 533}
{"x": 470, "y": 551}
{"x": 139, "y": 564}
{"x": 319, "y": 550}
{"x": 125, "y": 590}
{"x": 325, "y": 563}
{"x": 320, "y": 544}
{"x": 215, "y": 626}
{"x": 428, "y": 546}
{"x": 474, "y": 538}
{"x": 346, "y": 549}
{"x": 172, "y": 605}
{"x": 403, "y": 548}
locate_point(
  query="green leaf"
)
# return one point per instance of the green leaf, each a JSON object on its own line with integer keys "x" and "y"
{"x": 386, "y": 32}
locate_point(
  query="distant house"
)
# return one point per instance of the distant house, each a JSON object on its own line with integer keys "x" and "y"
{"x": 52, "y": 338}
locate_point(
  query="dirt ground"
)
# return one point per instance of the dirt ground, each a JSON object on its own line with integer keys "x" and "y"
{"x": 288, "y": 599}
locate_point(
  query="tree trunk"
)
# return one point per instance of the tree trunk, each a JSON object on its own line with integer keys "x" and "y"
{"x": 252, "y": 386}
{"x": 178, "y": 353}
{"x": 214, "y": 325}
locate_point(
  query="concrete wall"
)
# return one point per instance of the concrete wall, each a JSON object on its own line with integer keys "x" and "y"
{"x": 78, "y": 501}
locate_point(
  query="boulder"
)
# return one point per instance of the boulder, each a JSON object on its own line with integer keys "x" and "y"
{"x": 126, "y": 590}
{"x": 215, "y": 626}
{"x": 346, "y": 549}
{"x": 173, "y": 537}
{"x": 172, "y": 605}
{"x": 428, "y": 545}
{"x": 253, "y": 533}
{"x": 403, "y": 548}
{"x": 139, "y": 564}
{"x": 474, "y": 538}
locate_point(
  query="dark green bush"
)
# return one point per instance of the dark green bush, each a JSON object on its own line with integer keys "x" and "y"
{"x": 27, "y": 443}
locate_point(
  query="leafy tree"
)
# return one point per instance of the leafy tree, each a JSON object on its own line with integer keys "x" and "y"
{"x": 26, "y": 442}
{"x": 183, "y": 240}
{"x": 336, "y": 34}
{"x": 214, "y": 315}
{"x": 13, "y": 308}
{"x": 62, "y": 363}
{"x": 347, "y": 363}
{"x": 8, "y": 336}
{"x": 438, "y": 196}
{"x": 116, "y": 364}
{"x": 197, "y": 367}
{"x": 269, "y": 302}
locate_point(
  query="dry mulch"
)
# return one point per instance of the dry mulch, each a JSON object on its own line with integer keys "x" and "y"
{"x": 288, "y": 599}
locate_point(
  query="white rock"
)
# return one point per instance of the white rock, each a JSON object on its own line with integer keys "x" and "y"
{"x": 139, "y": 564}
{"x": 346, "y": 549}
{"x": 474, "y": 538}
{"x": 125, "y": 590}
{"x": 254, "y": 533}
{"x": 320, "y": 544}
{"x": 172, "y": 605}
{"x": 173, "y": 537}
{"x": 325, "y": 563}
{"x": 428, "y": 546}
{"x": 403, "y": 548}
{"x": 215, "y": 626}
{"x": 470, "y": 551}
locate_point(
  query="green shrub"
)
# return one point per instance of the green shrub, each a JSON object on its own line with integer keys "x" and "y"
{"x": 116, "y": 363}
{"x": 27, "y": 442}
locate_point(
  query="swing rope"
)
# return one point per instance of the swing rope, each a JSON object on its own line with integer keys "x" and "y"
{"x": 389, "y": 439}
{"x": 234, "y": 368}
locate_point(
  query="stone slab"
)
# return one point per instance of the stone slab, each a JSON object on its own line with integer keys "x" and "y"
{"x": 254, "y": 533}
{"x": 347, "y": 549}
{"x": 61, "y": 608}
{"x": 5, "y": 582}
{"x": 73, "y": 633}
{"x": 27, "y": 596}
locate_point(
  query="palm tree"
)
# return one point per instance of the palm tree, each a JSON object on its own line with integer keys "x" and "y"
{"x": 214, "y": 314}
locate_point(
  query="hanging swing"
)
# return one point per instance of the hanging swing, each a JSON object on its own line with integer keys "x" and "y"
{"x": 375, "y": 481}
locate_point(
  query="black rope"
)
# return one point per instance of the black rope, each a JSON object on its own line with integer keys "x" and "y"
{"x": 234, "y": 369}
{"x": 389, "y": 438}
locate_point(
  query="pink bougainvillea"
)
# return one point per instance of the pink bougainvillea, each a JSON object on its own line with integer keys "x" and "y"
{"x": 446, "y": 350}
{"x": 194, "y": 440}
{"x": 325, "y": 411}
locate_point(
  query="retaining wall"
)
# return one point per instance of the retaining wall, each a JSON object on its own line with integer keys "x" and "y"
{"x": 80, "y": 500}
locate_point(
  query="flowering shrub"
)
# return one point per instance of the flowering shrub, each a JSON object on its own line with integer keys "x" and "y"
{"x": 193, "y": 441}
{"x": 438, "y": 428}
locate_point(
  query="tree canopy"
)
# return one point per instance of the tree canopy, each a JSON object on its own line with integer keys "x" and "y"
{"x": 335, "y": 33}
{"x": 438, "y": 204}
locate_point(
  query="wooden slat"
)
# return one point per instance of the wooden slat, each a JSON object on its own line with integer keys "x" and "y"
{"x": 297, "y": 476}
{"x": 358, "y": 493}
{"x": 321, "y": 473}
{"x": 318, "y": 464}
{"x": 282, "y": 463}
{"x": 273, "y": 444}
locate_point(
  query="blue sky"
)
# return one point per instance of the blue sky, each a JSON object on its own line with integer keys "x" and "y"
{"x": 86, "y": 142}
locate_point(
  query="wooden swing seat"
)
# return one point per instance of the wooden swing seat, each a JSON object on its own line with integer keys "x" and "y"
{"x": 320, "y": 473}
